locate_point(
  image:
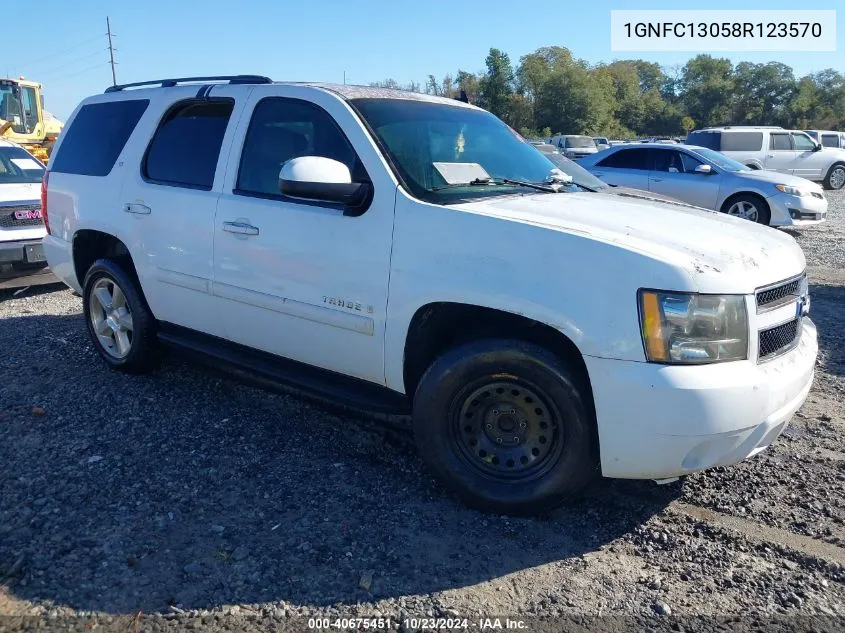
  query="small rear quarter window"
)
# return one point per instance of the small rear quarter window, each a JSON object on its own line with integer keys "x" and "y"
{"x": 96, "y": 136}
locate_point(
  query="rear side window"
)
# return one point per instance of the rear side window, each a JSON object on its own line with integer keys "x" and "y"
{"x": 830, "y": 140}
{"x": 186, "y": 145}
{"x": 742, "y": 141}
{"x": 628, "y": 159}
{"x": 780, "y": 142}
{"x": 710, "y": 140}
{"x": 96, "y": 137}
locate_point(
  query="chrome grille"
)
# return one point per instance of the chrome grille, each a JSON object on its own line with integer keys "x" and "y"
{"x": 772, "y": 297}
{"x": 779, "y": 339}
{"x": 9, "y": 221}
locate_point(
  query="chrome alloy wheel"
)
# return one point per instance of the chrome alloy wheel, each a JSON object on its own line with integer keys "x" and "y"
{"x": 111, "y": 318}
{"x": 745, "y": 210}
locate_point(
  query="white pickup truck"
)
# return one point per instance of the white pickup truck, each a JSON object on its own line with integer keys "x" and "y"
{"x": 403, "y": 253}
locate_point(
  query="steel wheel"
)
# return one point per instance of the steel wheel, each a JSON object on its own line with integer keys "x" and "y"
{"x": 506, "y": 430}
{"x": 111, "y": 318}
{"x": 745, "y": 210}
{"x": 837, "y": 177}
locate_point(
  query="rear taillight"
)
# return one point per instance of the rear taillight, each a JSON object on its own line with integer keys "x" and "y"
{"x": 44, "y": 200}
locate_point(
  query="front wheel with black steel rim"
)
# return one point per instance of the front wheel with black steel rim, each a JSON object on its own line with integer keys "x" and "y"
{"x": 835, "y": 178}
{"x": 748, "y": 207}
{"x": 506, "y": 425}
{"x": 119, "y": 321}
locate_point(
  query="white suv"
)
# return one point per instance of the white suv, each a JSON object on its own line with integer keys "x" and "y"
{"x": 787, "y": 151}
{"x": 404, "y": 253}
{"x": 21, "y": 228}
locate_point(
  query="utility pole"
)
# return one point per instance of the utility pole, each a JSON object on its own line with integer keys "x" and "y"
{"x": 344, "y": 77}
{"x": 111, "y": 52}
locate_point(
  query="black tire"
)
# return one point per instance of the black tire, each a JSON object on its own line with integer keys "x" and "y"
{"x": 142, "y": 349}
{"x": 835, "y": 178}
{"x": 763, "y": 214}
{"x": 565, "y": 461}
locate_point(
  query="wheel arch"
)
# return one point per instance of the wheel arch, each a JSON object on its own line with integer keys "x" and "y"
{"x": 89, "y": 245}
{"x": 754, "y": 164}
{"x": 753, "y": 194}
{"x": 441, "y": 325}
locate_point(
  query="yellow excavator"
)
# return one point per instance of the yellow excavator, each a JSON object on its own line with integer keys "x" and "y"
{"x": 24, "y": 120}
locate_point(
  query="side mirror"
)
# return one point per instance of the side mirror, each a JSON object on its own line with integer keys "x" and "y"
{"x": 819, "y": 147}
{"x": 704, "y": 169}
{"x": 324, "y": 179}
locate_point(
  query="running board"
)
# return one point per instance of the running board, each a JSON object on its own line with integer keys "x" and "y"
{"x": 282, "y": 374}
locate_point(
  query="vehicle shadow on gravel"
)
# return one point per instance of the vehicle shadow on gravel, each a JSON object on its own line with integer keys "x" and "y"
{"x": 124, "y": 493}
{"x": 826, "y": 309}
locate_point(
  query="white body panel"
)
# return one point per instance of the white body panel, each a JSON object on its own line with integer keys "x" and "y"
{"x": 340, "y": 292}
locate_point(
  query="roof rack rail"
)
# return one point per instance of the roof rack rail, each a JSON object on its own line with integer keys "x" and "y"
{"x": 169, "y": 83}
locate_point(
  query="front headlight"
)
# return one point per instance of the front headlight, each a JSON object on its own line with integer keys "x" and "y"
{"x": 792, "y": 191}
{"x": 687, "y": 328}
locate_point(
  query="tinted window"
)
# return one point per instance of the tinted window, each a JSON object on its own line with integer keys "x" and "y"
{"x": 830, "y": 140}
{"x": 282, "y": 129}
{"x": 627, "y": 159}
{"x": 96, "y": 136}
{"x": 689, "y": 162}
{"x": 780, "y": 141}
{"x": 742, "y": 141}
{"x": 803, "y": 142}
{"x": 711, "y": 140}
{"x": 186, "y": 146}
{"x": 667, "y": 160}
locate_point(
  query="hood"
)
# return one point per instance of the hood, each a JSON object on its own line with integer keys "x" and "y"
{"x": 24, "y": 192}
{"x": 777, "y": 178}
{"x": 721, "y": 254}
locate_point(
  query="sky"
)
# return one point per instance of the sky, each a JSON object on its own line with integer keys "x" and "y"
{"x": 369, "y": 40}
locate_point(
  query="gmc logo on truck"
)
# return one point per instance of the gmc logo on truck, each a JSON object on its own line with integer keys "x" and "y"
{"x": 28, "y": 214}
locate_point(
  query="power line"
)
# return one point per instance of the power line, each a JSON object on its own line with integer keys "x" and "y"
{"x": 50, "y": 71}
{"x": 57, "y": 54}
{"x": 84, "y": 70}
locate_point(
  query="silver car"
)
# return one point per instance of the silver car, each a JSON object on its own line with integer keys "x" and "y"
{"x": 708, "y": 179}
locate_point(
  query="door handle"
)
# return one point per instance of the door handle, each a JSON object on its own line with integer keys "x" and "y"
{"x": 770, "y": 155}
{"x": 240, "y": 228}
{"x": 137, "y": 208}
{"x": 656, "y": 179}
{"x": 598, "y": 174}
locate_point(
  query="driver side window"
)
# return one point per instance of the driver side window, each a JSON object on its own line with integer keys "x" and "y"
{"x": 282, "y": 129}
{"x": 803, "y": 143}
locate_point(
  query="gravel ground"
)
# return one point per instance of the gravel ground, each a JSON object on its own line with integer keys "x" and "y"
{"x": 206, "y": 503}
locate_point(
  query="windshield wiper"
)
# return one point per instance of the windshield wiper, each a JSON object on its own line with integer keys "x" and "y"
{"x": 498, "y": 181}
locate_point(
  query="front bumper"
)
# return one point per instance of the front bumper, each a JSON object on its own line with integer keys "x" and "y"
{"x": 787, "y": 210}
{"x": 662, "y": 421}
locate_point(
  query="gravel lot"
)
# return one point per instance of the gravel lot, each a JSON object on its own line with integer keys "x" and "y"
{"x": 185, "y": 493}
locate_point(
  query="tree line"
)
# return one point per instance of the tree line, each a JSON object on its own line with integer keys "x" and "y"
{"x": 550, "y": 91}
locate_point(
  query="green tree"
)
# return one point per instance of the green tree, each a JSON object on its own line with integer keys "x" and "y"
{"x": 497, "y": 84}
{"x": 762, "y": 93}
{"x": 707, "y": 86}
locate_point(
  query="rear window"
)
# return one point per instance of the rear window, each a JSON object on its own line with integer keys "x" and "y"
{"x": 830, "y": 140}
{"x": 186, "y": 146}
{"x": 95, "y": 138}
{"x": 628, "y": 159}
{"x": 742, "y": 141}
{"x": 710, "y": 140}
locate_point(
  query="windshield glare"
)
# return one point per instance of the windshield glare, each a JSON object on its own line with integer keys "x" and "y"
{"x": 417, "y": 134}
{"x": 720, "y": 160}
{"x": 17, "y": 166}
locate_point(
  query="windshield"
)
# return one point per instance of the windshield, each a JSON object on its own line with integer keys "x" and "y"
{"x": 580, "y": 176}
{"x": 16, "y": 166}
{"x": 426, "y": 142}
{"x": 579, "y": 141}
{"x": 18, "y": 106}
{"x": 720, "y": 160}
